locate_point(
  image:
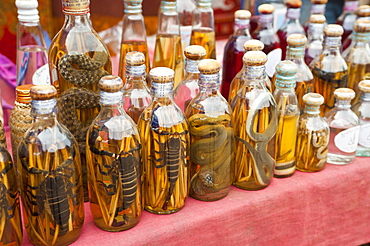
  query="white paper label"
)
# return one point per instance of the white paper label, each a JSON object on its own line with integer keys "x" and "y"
{"x": 347, "y": 140}
{"x": 273, "y": 58}
{"x": 185, "y": 36}
{"x": 41, "y": 76}
{"x": 348, "y": 22}
{"x": 168, "y": 116}
{"x": 364, "y": 139}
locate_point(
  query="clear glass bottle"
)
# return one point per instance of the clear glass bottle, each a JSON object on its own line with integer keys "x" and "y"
{"x": 185, "y": 9}
{"x": 362, "y": 110}
{"x": 212, "y": 137}
{"x": 329, "y": 69}
{"x": 357, "y": 56}
{"x": 255, "y": 119}
{"x": 203, "y": 28}
{"x": 136, "y": 94}
{"x": 288, "y": 115}
{"x": 313, "y": 136}
{"x": 31, "y": 45}
{"x": 344, "y": 128}
{"x": 317, "y": 8}
{"x": 168, "y": 47}
{"x": 315, "y": 38}
{"x": 50, "y": 175}
{"x": 133, "y": 35}
{"x": 77, "y": 60}
{"x": 348, "y": 17}
{"x": 114, "y": 162}
{"x": 165, "y": 148}
{"x": 291, "y": 24}
{"x": 10, "y": 213}
{"x": 188, "y": 87}
{"x": 234, "y": 48}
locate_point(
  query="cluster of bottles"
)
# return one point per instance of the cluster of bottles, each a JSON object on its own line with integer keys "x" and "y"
{"x": 151, "y": 148}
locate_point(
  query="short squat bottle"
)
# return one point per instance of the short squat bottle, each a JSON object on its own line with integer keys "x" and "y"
{"x": 315, "y": 37}
{"x": 114, "y": 161}
{"x": 362, "y": 110}
{"x": 344, "y": 128}
{"x": 212, "y": 137}
{"x": 288, "y": 114}
{"x": 165, "y": 139}
{"x": 313, "y": 136}
{"x": 50, "y": 175}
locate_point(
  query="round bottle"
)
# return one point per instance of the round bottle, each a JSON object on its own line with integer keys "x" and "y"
{"x": 315, "y": 37}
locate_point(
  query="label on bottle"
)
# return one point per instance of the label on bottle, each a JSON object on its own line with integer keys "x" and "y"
{"x": 214, "y": 107}
{"x": 185, "y": 36}
{"x": 52, "y": 139}
{"x": 75, "y": 5}
{"x": 119, "y": 127}
{"x": 348, "y": 22}
{"x": 364, "y": 139}
{"x": 347, "y": 140}
{"x": 273, "y": 58}
{"x": 41, "y": 76}
{"x": 168, "y": 116}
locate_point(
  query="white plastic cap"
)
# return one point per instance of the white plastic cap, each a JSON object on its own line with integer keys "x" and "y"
{"x": 27, "y": 10}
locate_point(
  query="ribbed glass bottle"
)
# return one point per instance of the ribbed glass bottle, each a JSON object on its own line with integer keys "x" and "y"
{"x": 315, "y": 38}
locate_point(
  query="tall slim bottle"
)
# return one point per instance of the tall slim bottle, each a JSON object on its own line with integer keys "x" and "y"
{"x": 203, "y": 28}
{"x": 255, "y": 119}
{"x": 329, "y": 69}
{"x": 133, "y": 35}
{"x": 317, "y": 8}
{"x": 168, "y": 47}
{"x": 31, "y": 46}
{"x": 185, "y": 9}
{"x": 315, "y": 38}
{"x": 348, "y": 17}
{"x": 49, "y": 170}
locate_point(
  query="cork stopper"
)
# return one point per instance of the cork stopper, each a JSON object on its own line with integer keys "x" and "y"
{"x": 319, "y": 1}
{"x": 162, "y": 74}
{"x": 135, "y": 58}
{"x": 23, "y": 93}
{"x": 43, "y": 92}
{"x": 333, "y": 30}
{"x": 293, "y": 4}
{"x": 286, "y": 68}
{"x": 296, "y": 40}
{"x": 266, "y": 9}
{"x": 344, "y": 94}
{"x": 253, "y": 44}
{"x": 364, "y": 86}
{"x": 209, "y": 66}
{"x": 242, "y": 14}
{"x": 195, "y": 52}
{"x": 363, "y": 11}
{"x": 314, "y": 99}
{"x": 110, "y": 83}
{"x": 319, "y": 19}
{"x": 361, "y": 25}
{"x": 254, "y": 58}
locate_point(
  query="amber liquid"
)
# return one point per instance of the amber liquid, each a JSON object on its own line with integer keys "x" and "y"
{"x": 302, "y": 88}
{"x": 205, "y": 37}
{"x": 168, "y": 53}
{"x": 357, "y": 73}
{"x": 235, "y": 85}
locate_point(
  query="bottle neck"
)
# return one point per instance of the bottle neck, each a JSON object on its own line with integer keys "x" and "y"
{"x": 44, "y": 109}
{"x": 30, "y": 34}
{"x": 284, "y": 83}
{"x": 363, "y": 37}
{"x": 266, "y": 21}
{"x": 162, "y": 90}
{"x": 343, "y": 104}
{"x": 132, "y": 9}
{"x": 293, "y": 13}
{"x": 81, "y": 21}
{"x": 316, "y": 31}
{"x": 136, "y": 77}
{"x": 332, "y": 43}
{"x": 254, "y": 72}
{"x": 191, "y": 66}
{"x": 241, "y": 26}
{"x": 168, "y": 19}
{"x": 111, "y": 99}
{"x": 209, "y": 82}
{"x": 318, "y": 9}
{"x": 295, "y": 53}
{"x": 312, "y": 110}
{"x": 365, "y": 96}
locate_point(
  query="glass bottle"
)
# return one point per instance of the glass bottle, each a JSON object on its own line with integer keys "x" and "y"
{"x": 234, "y": 48}
{"x": 203, "y": 28}
{"x": 329, "y": 69}
{"x": 315, "y": 38}
{"x": 291, "y": 24}
{"x": 313, "y": 136}
{"x": 362, "y": 110}
{"x": 185, "y": 9}
{"x": 165, "y": 139}
{"x": 212, "y": 137}
{"x": 344, "y": 128}
{"x": 133, "y": 35}
{"x": 10, "y": 214}
{"x": 49, "y": 170}
{"x": 317, "y": 8}
{"x": 136, "y": 94}
{"x": 348, "y": 17}
{"x": 31, "y": 45}
{"x": 188, "y": 87}
{"x": 77, "y": 60}
{"x": 114, "y": 162}
{"x": 288, "y": 115}
{"x": 168, "y": 47}
{"x": 357, "y": 56}
{"x": 255, "y": 119}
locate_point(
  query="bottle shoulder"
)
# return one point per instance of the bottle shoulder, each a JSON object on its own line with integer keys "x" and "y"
{"x": 341, "y": 118}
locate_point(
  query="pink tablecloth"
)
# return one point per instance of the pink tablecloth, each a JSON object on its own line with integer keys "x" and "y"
{"x": 331, "y": 207}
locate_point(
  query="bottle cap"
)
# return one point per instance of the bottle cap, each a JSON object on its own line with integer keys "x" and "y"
{"x": 162, "y": 74}
{"x": 361, "y": 25}
{"x": 133, "y": 2}
{"x": 23, "y": 93}
{"x": 43, "y": 92}
{"x": 75, "y": 6}
{"x": 204, "y": 3}
{"x": 253, "y": 44}
{"x": 135, "y": 58}
{"x": 317, "y": 19}
{"x": 296, "y": 40}
{"x": 133, "y": 6}
{"x": 195, "y": 52}
{"x": 293, "y": 4}
{"x": 313, "y": 99}
{"x": 209, "y": 66}
{"x": 344, "y": 94}
{"x": 254, "y": 58}
{"x": 266, "y": 9}
{"x": 363, "y": 11}
{"x": 364, "y": 86}
{"x": 333, "y": 30}
{"x": 319, "y": 1}
{"x": 286, "y": 68}
{"x": 27, "y": 10}
{"x": 110, "y": 83}
{"x": 242, "y": 14}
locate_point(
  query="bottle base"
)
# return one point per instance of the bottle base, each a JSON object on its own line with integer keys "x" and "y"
{"x": 215, "y": 196}
{"x": 160, "y": 211}
{"x": 339, "y": 159}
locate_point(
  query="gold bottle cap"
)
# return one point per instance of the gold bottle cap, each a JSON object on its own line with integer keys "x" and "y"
{"x": 266, "y": 9}
{"x": 344, "y": 94}
{"x": 253, "y": 44}
{"x": 23, "y": 93}
{"x": 363, "y": 11}
{"x": 110, "y": 83}
{"x": 75, "y": 6}
{"x": 43, "y": 92}
{"x": 319, "y": 1}
{"x": 195, "y": 52}
{"x": 333, "y": 30}
{"x": 313, "y": 99}
{"x": 296, "y": 40}
{"x": 317, "y": 19}
{"x": 162, "y": 74}
{"x": 209, "y": 66}
{"x": 254, "y": 58}
{"x": 361, "y": 25}
{"x": 364, "y": 86}
{"x": 242, "y": 14}
{"x": 294, "y": 4}
{"x": 135, "y": 58}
